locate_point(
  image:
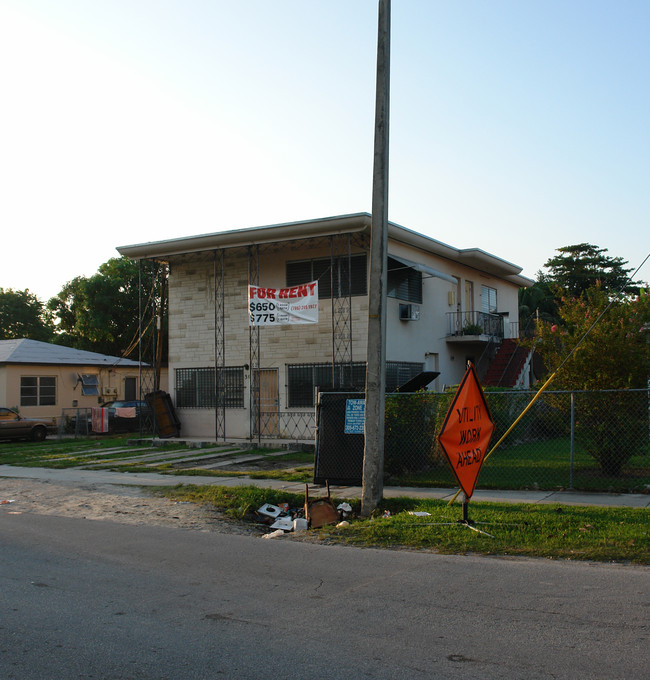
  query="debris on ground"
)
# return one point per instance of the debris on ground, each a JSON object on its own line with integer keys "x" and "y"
{"x": 300, "y": 524}
{"x": 268, "y": 510}
{"x": 320, "y": 511}
{"x": 315, "y": 513}
{"x": 281, "y": 518}
{"x": 345, "y": 510}
{"x": 284, "y": 523}
{"x": 278, "y": 533}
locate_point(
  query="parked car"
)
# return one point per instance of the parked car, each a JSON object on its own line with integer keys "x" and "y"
{"x": 128, "y": 416}
{"x": 14, "y": 426}
{"x": 78, "y": 421}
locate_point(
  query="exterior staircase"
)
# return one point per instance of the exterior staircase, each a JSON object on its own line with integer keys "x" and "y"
{"x": 507, "y": 366}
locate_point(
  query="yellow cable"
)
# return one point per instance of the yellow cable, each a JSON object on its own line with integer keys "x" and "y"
{"x": 545, "y": 385}
{"x": 521, "y": 415}
{"x": 509, "y": 430}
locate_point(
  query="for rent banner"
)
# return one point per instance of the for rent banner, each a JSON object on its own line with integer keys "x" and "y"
{"x": 283, "y": 306}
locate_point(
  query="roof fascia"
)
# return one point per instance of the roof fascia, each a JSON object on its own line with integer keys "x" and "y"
{"x": 87, "y": 364}
{"x": 471, "y": 257}
{"x": 326, "y": 226}
{"x": 237, "y": 238}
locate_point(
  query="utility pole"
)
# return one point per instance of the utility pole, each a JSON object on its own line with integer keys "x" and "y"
{"x": 373, "y": 457}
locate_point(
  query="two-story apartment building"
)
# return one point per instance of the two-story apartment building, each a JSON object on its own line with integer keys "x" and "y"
{"x": 229, "y": 378}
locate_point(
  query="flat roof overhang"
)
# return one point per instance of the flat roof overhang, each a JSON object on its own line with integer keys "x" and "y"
{"x": 322, "y": 227}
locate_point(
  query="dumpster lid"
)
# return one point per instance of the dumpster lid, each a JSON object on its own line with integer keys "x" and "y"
{"x": 420, "y": 381}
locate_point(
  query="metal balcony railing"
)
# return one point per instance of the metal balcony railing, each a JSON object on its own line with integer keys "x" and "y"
{"x": 474, "y": 323}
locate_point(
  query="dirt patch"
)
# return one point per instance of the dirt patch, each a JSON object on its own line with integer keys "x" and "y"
{"x": 108, "y": 502}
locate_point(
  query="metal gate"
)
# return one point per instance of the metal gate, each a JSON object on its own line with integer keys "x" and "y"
{"x": 266, "y": 412}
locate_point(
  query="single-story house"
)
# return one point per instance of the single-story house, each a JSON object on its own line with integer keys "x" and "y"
{"x": 40, "y": 379}
{"x": 243, "y": 363}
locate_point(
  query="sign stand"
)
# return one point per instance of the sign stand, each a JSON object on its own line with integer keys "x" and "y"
{"x": 467, "y": 522}
{"x": 465, "y": 506}
{"x": 464, "y": 437}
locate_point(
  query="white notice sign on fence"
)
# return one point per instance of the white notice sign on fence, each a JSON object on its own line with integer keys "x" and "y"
{"x": 355, "y": 416}
{"x": 283, "y": 306}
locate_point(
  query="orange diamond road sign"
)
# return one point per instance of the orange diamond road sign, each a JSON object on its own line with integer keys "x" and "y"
{"x": 466, "y": 432}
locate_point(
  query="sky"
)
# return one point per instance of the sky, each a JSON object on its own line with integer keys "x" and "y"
{"x": 515, "y": 127}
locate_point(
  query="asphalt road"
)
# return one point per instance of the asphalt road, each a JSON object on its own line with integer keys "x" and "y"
{"x": 90, "y": 599}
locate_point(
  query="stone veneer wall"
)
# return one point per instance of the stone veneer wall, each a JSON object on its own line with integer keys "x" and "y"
{"x": 191, "y": 319}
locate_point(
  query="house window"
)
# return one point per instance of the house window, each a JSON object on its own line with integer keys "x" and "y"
{"x": 38, "y": 391}
{"x": 404, "y": 282}
{"x": 89, "y": 385}
{"x": 488, "y": 300}
{"x": 346, "y": 279}
{"x": 303, "y": 379}
{"x": 195, "y": 387}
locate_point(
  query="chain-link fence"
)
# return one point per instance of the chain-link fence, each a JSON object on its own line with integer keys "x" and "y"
{"x": 78, "y": 422}
{"x": 581, "y": 440}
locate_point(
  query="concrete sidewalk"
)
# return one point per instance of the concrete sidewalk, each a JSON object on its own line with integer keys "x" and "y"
{"x": 98, "y": 477}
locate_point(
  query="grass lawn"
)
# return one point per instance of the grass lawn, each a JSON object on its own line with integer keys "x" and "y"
{"x": 109, "y": 453}
{"x": 543, "y": 465}
{"x": 567, "y": 532}
{"x": 53, "y": 453}
{"x": 529, "y": 465}
{"x": 551, "y": 531}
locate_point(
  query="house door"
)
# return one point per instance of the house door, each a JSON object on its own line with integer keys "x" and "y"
{"x": 469, "y": 299}
{"x": 129, "y": 389}
{"x": 459, "y": 314}
{"x": 432, "y": 363}
{"x": 269, "y": 404}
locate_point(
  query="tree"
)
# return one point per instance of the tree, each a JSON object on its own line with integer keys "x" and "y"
{"x": 537, "y": 302}
{"x": 23, "y": 315}
{"x": 613, "y": 354}
{"x": 583, "y": 266}
{"x": 101, "y": 313}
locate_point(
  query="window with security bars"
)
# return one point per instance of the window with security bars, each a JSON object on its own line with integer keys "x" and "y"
{"x": 404, "y": 282}
{"x": 400, "y": 372}
{"x": 195, "y": 387}
{"x": 38, "y": 391}
{"x": 303, "y": 379}
{"x": 349, "y": 275}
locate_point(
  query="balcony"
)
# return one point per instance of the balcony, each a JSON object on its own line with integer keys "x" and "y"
{"x": 474, "y": 327}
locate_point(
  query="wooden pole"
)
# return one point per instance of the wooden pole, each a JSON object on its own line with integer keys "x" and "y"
{"x": 373, "y": 458}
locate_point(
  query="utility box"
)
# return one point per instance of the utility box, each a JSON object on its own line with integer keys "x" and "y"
{"x": 339, "y": 456}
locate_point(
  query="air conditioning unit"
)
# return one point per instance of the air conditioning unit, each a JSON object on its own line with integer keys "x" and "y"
{"x": 409, "y": 312}
{"x": 109, "y": 391}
